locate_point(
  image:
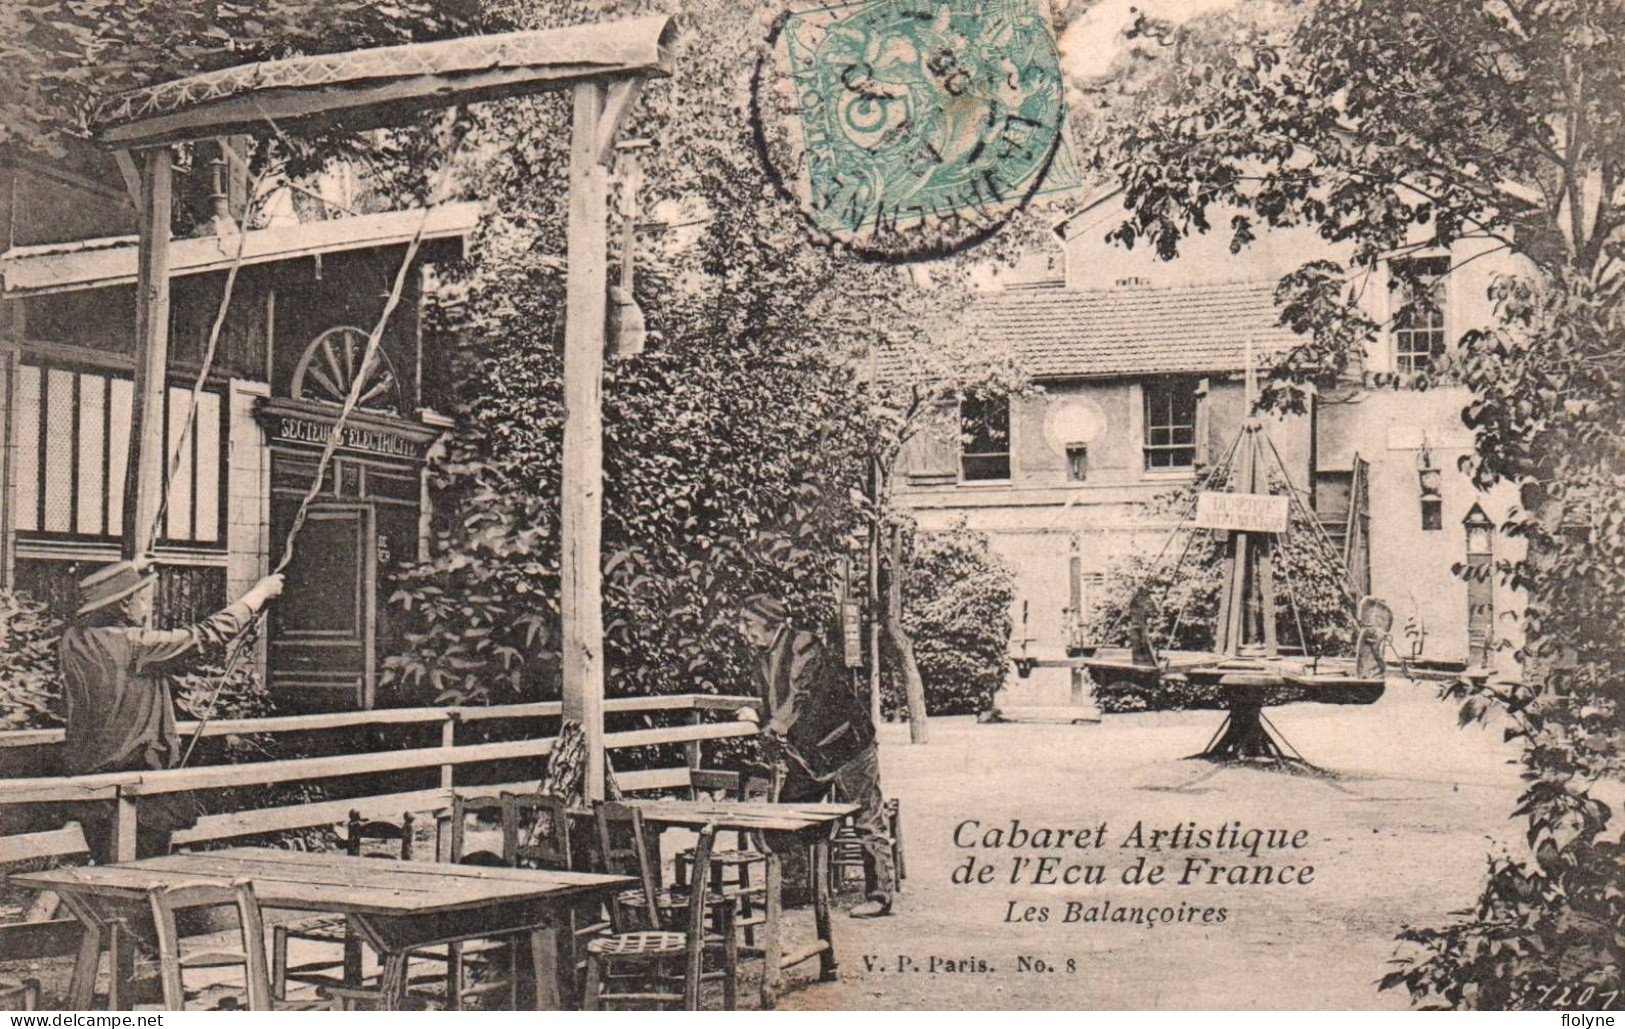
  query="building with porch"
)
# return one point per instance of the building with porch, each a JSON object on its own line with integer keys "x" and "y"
{"x": 308, "y": 293}
{"x": 1141, "y": 364}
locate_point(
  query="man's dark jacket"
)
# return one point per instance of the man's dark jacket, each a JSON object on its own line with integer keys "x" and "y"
{"x": 823, "y": 723}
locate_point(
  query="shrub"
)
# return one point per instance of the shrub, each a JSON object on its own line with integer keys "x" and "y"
{"x": 30, "y": 687}
{"x": 956, "y": 605}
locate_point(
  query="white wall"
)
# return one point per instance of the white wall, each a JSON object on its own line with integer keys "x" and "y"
{"x": 248, "y": 504}
{"x": 1412, "y": 568}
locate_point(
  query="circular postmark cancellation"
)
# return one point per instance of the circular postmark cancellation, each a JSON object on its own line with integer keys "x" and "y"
{"x": 914, "y": 128}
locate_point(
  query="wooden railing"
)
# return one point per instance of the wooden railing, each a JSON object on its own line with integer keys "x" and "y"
{"x": 122, "y": 790}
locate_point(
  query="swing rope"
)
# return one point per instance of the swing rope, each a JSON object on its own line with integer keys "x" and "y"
{"x": 239, "y": 644}
{"x": 1222, "y": 468}
{"x": 1229, "y": 470}
{"x": 207, "y": 367}
{"x": 1327, "y": 547}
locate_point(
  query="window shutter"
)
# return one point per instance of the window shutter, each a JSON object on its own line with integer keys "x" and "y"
{"x": 931, "y": 458}
{"x": 1204, "y": 428}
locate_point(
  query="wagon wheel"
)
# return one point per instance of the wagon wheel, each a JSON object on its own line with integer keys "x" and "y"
{"x": 330, "y": 366}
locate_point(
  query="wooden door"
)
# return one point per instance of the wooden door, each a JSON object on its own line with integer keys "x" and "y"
{"x": 323, "y": 629}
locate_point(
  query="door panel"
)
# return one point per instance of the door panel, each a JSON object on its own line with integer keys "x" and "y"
{"x": 321, "y": 651}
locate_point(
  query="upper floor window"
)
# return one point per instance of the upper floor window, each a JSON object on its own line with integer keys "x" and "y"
{"x": 1418, "y": 286}
{"x": 984, "y": 432}
{"x": 1170, "y": 424}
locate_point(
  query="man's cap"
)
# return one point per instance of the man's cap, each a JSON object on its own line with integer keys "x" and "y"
{"x": 113, "y": 583}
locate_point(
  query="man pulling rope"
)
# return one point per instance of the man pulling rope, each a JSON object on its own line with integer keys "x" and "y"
{"x": 121, "y": 715}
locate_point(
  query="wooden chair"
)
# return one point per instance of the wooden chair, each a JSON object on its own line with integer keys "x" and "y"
{"x": 704, "y": 784}
{"x": 537, "y": 833}
{"x": 481, "y": 955}
{"x": 623, "y": 848}
{"x": 634, "y": 966}
{"x": 846, "y": 851}
{"x": 19, "y": 996}
{"x": 335, "y": 929}
{"x": 739, "y": 871}
{"x": 173, "y": 960}
{"x": 453, "y": 829}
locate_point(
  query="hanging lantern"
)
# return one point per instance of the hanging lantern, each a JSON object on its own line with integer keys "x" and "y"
{"x": 1430, "y": 483}
{"x": 624, "y": 327}
{"x": 625, "y": 330}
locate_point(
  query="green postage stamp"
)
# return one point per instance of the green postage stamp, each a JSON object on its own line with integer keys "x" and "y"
{"x": 917, "y": 126}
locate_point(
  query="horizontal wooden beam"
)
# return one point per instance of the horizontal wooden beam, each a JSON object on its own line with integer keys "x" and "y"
{"x": 63, "y": 842}
{"x": 69, "y": 840}
{"x": 678, "y": 734}
{"x": 381, "y": 87}
{"x": 409, "y": 716}
{"x": 58, "y": 789}
{"x": 653, "y": 779}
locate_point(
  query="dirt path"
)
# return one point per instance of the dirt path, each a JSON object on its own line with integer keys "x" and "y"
{"x": 1400, "y": 836}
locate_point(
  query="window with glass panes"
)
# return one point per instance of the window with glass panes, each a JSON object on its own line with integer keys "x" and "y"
{"x": 1419, "y": 322}
{"x": 72, "y": 435}
{"x": 1170, "y": 424}
{"x": 985, "y": 438}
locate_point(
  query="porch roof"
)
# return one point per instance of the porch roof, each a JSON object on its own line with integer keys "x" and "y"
{"x": 111, "y": 261}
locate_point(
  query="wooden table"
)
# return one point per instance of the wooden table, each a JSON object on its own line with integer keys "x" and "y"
{"x": 398, "y": 906}
{"x": 813, "y": 824}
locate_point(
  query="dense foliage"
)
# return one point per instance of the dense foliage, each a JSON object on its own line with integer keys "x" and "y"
{"x": 957, "y": 595}
{"x": 60, "y": 58}
{"x": 31, "y": 680}
{"x": 736, "y": 447}
{"x": 30, "y": 685}
{"x": 1398, "y": 125}
{"x": 718, "y": 485}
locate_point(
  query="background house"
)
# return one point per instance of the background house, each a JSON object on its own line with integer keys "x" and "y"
{"x": 1140, "y": 363}
{"x": 307, "y": 295}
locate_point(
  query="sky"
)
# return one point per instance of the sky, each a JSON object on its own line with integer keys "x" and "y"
{"x": 1091, "y": 42}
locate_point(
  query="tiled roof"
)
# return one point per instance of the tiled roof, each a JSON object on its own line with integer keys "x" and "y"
{"x": 1061, "y": 333}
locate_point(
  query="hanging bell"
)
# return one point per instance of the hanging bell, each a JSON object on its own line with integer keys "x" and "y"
{"x": 624, "y": 328}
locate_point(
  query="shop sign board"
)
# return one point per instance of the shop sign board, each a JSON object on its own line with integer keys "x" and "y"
{"x": 1241, "y": 512}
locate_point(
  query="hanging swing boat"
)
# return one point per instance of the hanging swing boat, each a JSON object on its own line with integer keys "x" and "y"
{"x": 1247, "y": 669}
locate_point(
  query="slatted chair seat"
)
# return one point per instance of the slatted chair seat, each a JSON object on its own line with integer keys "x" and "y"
{"x": 676, "y": 898}
{"x": 737, "y": 857}
{"x": 639, "y": 945}
{"x": 633, "y": 965}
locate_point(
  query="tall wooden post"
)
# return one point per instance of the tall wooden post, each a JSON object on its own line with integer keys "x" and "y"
{"x": 582, "y": 477}
{"x": 144, "y": 485}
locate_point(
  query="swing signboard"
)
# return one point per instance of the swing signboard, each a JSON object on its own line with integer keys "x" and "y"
{"x": 1241, "y": 512}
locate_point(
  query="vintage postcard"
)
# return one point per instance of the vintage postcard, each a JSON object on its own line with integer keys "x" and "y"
{"x": 768, "y": 504}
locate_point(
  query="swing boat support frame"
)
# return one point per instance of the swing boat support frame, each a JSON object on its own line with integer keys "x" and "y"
{"x": 602, "y": 65}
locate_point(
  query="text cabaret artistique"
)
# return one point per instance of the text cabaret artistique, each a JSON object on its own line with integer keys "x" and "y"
{"x": 1191, "y": 855}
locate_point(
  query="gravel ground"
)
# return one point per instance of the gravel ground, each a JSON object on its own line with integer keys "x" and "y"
{"x": 1397, "y": 835}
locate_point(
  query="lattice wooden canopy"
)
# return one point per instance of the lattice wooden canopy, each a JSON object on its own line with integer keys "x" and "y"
{"x": 363, "y": 89}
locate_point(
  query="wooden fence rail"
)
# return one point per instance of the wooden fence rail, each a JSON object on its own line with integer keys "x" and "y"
{"x": 122, "y": 790}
